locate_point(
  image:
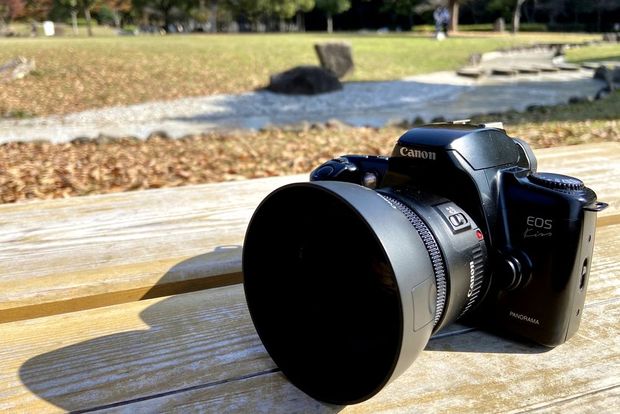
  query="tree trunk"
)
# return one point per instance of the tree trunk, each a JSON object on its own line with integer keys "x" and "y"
{"x": 301, "y": 25}
{"x": 117, "y": 19}
{"x": 74, "y": 21}
{"x": 453, "y": 6}
{"x": 213, "y": 16}
{"x": 516, "y": 16}
{"x": 89, "y": 28}
{"x": 330, "y": 23}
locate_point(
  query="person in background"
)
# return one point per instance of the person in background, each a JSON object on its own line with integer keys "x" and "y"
{"x": 442, "y": 19}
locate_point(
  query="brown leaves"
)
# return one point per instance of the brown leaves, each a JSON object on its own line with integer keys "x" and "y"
{"x": 43, "y": 170}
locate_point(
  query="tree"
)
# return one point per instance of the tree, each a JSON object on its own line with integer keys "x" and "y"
{"x": 86, "y": 6}
{"x": 38, "y": 9}
{"x": 252, "y": 10}
{"x": 332, "y": 7}
{"x": 453, "y": 8}
{"x": 164, "y": 7}
{"x": 509, "y": 7}
{"x": 402, "y": 8}
{"x": 516, "y": 16}
{"x": 10, "y": 9}
{"x": 303, "y": 6}
{"x": 116, "y": 7}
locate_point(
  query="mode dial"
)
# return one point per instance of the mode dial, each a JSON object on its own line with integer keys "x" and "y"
{"x": 557, "y": 181}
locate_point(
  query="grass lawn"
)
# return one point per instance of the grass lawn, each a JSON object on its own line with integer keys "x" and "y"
{"x": 75, "y": 74}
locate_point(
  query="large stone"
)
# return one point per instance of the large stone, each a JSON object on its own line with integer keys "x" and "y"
{"x": 608, "y": 74}
{"x": 499, "y": 25}
{"x": 17, "y": 68}
{"x": 304, "y": 80}
{"x": 336, "y": 57}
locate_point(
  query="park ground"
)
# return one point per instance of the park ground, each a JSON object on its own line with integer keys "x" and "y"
{"x": 76, "y": 74}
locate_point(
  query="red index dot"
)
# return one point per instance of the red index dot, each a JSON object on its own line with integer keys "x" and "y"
{"x": 479, "y": 235}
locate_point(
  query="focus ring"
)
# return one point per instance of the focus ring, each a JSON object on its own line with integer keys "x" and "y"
{"x": 433, "y": 251}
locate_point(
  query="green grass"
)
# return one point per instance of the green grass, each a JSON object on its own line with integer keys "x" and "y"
{"x": 609, "y": 51}
{"x": 74, "y": 74}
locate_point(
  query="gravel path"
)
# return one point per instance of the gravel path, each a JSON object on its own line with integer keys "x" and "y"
{"x": 359, "y": 103}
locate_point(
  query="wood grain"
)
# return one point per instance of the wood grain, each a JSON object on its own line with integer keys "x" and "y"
{"x": 66, "y": 255}
{"x": 199, "y": 352}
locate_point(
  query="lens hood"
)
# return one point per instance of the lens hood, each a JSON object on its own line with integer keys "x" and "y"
{"x": 340, "y": 287}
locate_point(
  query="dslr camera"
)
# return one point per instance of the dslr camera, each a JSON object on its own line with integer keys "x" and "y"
{"x": 347, "y": 276}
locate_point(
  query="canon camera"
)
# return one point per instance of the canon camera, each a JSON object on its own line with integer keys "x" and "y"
{"x": 347, "y": 276}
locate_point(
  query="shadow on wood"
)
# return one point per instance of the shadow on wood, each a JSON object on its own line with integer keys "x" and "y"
{"x": 188, "y": 346}
{"x": 182, "y": 354}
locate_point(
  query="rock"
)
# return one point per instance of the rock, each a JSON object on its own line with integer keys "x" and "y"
{"x": 559, "y": 50}
{"x": 591, "y": 65}
{"x": 607, "y": 75}
{"x": 503, "y": 71}
{"x": 602, "y": 93}
{"x": 577, "y": 99}
{"x": 161, "y": 134}
{"x": 336, "y": 57}
{"x": 475, "y": 59}
{"x": 536, "y": 108}
{"x": 335, "y": 124}
{"x": 547, "y": 68}
{"x": 304, "y": 80}
{"x": 568, "y": 67}
{"x": 615, "y": 74}
{"x": 470, "y": 72}
{"x": 16, "y": 68}
{"x": 528, "y": 70}
{"x": 499, "y": 25}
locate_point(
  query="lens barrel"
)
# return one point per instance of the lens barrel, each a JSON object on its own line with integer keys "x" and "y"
{"x": 345, "y": 285}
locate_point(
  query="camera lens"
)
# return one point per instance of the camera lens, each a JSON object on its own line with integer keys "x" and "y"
{"x": 345, "y": 285}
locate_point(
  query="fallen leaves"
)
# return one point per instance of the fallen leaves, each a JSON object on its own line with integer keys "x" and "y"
{"x": 41, "y": 170}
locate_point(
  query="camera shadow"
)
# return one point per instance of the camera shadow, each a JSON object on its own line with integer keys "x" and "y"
{"x": 215, "y": 356}
{"x": 462, "y": 338}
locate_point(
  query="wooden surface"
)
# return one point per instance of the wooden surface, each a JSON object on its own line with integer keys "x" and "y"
{"x": 65, "y": 255}
{"x": 199, "y": 351}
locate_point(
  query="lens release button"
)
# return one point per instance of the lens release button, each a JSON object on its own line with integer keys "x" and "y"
{"x": 454, "y": 216}
{"x": 458, "y": 220}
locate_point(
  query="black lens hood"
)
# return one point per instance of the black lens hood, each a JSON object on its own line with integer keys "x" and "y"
{"x": 333, "y": 221}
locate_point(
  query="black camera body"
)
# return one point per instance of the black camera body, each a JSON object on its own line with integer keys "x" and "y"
{"x": 347, "y": 276}
{"x": 538, "y": 228}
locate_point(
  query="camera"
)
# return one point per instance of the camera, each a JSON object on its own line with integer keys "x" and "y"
{"x": 347, "y": 276}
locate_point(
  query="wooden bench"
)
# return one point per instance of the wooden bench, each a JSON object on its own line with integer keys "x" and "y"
{"x": 131, "y": 302}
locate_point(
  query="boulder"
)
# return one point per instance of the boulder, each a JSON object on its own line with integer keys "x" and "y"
{"x": 337, "y": 57}
{"x": 499, "y": 25}
{"x": 304, "y": 80}
{"x": 16, "y": 69}
{"x": 471, "y": 72}
{"x": 609, "y": 75}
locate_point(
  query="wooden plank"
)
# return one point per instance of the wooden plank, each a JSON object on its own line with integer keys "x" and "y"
{"x": 85, "y": 252}
{"x": 602, "y": 401}
{"x": 64, "y": 255}
{"x": 200, "y": 350}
